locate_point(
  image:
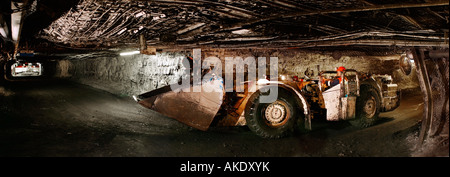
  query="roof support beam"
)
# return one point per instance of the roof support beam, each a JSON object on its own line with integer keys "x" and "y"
{"x": 411, "y": 21}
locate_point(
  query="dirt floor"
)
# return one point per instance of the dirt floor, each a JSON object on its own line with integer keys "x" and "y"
{"x": 67, "y": 119}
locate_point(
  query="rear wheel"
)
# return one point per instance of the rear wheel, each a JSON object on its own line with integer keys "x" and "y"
{"x": 271, "y": 120}
{"x": 367, "y": 108}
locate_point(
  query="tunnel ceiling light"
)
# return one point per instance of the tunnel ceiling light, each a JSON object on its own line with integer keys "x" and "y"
{"x": 129, "y": 53}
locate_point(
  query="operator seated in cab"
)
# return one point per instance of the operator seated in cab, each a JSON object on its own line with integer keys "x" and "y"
{"x": 337, "y": 80}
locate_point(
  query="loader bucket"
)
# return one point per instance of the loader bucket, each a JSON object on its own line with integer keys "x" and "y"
{"x": 195, "y": 109}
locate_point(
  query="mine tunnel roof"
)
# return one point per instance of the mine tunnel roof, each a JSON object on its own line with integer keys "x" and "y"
{"x": 106, "y": 24}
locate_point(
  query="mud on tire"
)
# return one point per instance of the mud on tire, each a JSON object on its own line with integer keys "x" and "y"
{"x": 367, "y": 108}
{"x": 271, "y": 120}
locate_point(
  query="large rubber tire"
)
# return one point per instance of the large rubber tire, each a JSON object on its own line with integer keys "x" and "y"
{"x": 367, "y": 108}
{"x": 274, "y": 127}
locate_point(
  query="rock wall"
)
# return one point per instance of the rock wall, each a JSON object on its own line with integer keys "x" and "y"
{"x": 130, "y": 75}
{"x": 62, "y": 69}
{"x": 296, "y": 62}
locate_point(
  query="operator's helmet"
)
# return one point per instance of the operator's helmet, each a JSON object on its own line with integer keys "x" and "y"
{"x": 341, "y": 69}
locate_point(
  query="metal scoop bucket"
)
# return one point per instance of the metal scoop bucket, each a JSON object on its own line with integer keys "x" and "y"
{"x": 196, "y": 109}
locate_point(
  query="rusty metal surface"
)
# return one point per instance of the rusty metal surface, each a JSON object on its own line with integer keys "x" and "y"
{"x": 331, "y": 97}
{"x": 348, "y": 107}
{"x": 195, "y": 109}
{"x": 235, "y": 117}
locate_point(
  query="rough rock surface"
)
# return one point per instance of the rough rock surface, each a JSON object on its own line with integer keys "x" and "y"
{"x": 130, "y": 75}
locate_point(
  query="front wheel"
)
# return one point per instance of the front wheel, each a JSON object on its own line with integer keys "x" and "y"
{"x": 367, "y": 108}
{"x": 271, "y": 120}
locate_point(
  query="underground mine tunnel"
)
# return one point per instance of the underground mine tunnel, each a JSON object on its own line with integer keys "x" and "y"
{"x": 222, "y": 78}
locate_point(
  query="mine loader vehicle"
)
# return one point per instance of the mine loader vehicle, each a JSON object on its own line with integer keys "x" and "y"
{"x": 25, "y": 65}
{"x": 358, "y": 99}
